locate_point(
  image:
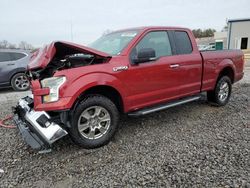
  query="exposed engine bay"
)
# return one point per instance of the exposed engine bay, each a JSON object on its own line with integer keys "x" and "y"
{"x": 66, "y": 57}
{"x": 67, "y": 62}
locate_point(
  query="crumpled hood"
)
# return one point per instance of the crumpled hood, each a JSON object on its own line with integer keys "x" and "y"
{"x": 42, "y": 57}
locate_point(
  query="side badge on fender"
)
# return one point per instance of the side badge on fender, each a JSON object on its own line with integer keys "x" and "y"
{"x": 115, "y": 69}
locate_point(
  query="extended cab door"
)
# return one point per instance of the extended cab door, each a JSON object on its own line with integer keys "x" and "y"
{"x": 189, "y": 62}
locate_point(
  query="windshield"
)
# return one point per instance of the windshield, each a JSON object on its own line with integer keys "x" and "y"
{"x": 114, "y": 43}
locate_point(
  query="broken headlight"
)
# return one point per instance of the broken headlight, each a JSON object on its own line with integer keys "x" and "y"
{"x": 54, "y": 84}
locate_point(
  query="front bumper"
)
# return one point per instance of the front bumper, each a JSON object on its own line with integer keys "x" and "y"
{"x": 36, "y": 127}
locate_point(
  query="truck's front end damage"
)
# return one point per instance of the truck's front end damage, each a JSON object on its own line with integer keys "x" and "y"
{"x": 36, "y": 127}
{"x": 42, "y": 118}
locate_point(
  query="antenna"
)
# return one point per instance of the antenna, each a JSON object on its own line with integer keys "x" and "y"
{"x": 71, "y": 30}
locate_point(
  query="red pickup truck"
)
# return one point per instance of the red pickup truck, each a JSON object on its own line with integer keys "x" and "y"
{"x": 81, "y": 91}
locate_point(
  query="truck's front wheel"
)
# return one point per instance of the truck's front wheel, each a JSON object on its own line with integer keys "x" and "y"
{"x": 222, "y": 92}
{"x": 94, "y": 122}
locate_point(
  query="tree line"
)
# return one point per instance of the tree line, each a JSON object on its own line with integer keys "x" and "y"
{"x": 199, "y": 33}
{"x": 4, "y": 44}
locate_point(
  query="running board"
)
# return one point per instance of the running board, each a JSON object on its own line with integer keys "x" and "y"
{"x": 164, "y": 106}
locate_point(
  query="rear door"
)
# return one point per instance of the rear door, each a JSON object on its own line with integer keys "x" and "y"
{"x": 189, "y": 64}
{"x": 5, "y": 64}
{"x": 9, "y": 62}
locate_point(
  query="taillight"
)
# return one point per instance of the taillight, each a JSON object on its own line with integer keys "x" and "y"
{"x": 243, "y": 59}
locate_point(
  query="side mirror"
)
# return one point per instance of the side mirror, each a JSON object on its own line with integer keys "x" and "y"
{"x": 145, "y": 55}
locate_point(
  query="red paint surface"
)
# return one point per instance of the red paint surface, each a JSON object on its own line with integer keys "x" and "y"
{"x": 143, "y": 84}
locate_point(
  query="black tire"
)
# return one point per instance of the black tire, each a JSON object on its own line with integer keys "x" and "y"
{"x": 215, "y": 96}
{"x": 93, "y": 101}
{"x": 20, "y": 82}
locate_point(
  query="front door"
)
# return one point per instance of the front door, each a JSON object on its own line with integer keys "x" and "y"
{"x": 153, "y": 81}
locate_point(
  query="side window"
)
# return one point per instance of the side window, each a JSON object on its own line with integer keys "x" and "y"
{"x": 158, "y": 41}
{"x": 183, "y": 43}
{"x": 4, "y": 56}
{"x": 15, "y": 56}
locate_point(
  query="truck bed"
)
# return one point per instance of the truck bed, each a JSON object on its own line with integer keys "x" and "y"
{"x": 215, "y": 60}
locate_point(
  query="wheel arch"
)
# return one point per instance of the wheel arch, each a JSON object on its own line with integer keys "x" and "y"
{"x": 16, "y": 71}
{"x": 226, "y": 68}
{"x": 95, "y": 83}
{"x": 227, "y": 71}
{"x": 104, "y": 90}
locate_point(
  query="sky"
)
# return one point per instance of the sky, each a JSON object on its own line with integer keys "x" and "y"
{"x": 81, "y": 21}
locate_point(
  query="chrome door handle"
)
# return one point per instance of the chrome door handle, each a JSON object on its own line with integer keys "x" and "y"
{"x": 11, "y": 64}
{"x": 174, "y": 66}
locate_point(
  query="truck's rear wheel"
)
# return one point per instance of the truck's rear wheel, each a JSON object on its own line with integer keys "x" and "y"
{"x": 222, "y": 92}
{"x": 94, "y": 122}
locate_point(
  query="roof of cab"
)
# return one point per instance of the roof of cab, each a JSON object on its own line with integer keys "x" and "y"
{"x": 145, "y": 28}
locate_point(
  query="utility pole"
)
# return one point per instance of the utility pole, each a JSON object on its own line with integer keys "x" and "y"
{"x": 71, "y": 30}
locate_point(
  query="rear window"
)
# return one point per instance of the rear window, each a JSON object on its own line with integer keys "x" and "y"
{"x": 183, "y": 43}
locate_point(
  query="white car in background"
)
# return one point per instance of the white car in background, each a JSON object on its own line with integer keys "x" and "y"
{"x": 206, "y": 47}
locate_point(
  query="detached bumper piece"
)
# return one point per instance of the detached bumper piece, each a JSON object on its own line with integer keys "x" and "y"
{"x": 36, "y": 127}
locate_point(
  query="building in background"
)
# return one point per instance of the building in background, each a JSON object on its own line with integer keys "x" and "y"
{"x": 239, "y": 34}
{"x": 220, "y": 39}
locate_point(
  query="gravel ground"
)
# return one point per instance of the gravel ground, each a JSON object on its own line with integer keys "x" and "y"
{"x": 194, "y": 145}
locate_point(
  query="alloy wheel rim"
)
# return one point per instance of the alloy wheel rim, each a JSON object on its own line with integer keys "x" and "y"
{"x": 224, "y": 91}
{"x": 21, "y": 82}
{"x": 94, "y": 122}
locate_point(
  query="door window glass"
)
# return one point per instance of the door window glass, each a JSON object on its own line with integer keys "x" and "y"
{"x": 183, "y": 43}
{"x": 158, "y": 41}
{"x": 5, "y": 56}
{"x": 15, "y": 56}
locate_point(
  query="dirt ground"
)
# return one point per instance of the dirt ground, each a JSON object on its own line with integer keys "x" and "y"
{"x": 193, "y": 145}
